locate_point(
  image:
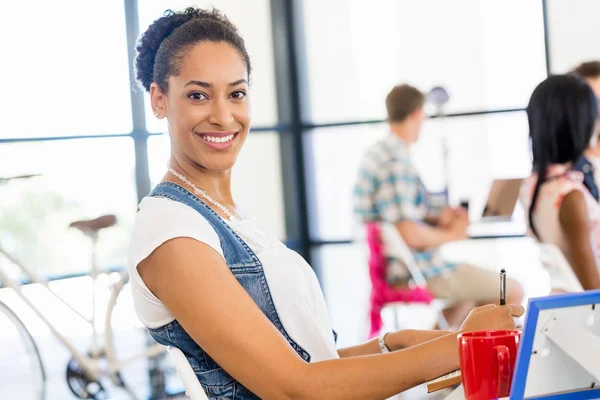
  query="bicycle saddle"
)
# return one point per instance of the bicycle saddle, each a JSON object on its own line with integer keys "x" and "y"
{"x": 94, "y": 225}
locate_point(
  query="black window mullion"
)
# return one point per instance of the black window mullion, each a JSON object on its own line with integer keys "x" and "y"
{"x": 546, "y": 37}
{"x": 140, "y": 133}
{"x": 292, "y": 105}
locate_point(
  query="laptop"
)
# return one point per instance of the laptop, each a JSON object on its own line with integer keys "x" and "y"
{"x": 497, "y": 218}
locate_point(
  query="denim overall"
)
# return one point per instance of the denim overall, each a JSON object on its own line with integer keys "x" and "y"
{"x": 248, "y": 270}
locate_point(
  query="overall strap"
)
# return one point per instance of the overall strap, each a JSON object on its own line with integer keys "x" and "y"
{"x": 236, "y": 252}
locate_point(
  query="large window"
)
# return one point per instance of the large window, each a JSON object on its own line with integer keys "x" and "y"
{"x": 66, "y": 75}
{"x": 467, "y": 47}
{"x": 76, "y": 182}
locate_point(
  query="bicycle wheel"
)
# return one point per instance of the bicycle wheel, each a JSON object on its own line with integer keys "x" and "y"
{"x": 152, "y": 374}
{"x": 22, "y": 374}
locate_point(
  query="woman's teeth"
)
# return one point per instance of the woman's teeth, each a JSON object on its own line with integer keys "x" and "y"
{"x": 215, "y": 139}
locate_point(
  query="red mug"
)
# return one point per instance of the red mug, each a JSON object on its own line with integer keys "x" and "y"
{"x": 487, "y": 362}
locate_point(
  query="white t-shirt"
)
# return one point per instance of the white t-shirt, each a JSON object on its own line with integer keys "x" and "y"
{"x": 293, "y": 284}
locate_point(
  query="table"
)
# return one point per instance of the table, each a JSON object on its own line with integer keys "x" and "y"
{"x": 459, "y": 394}
{"x": 519, "y": 256}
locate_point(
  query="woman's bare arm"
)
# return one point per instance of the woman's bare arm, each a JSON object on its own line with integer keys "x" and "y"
{"x": 394, "y": 341}
{"x": 574, "y": 220}
{"x": 195, "y": 284}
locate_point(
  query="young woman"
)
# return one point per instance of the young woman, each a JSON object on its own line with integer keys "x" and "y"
{"x": 247, "y": 311}
{"x": 562, "y": 115}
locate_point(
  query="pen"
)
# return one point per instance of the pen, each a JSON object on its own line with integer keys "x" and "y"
{"x": 502, "y": 287}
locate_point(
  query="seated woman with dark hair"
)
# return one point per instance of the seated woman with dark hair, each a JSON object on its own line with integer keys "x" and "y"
{"x": 562, "y": 114}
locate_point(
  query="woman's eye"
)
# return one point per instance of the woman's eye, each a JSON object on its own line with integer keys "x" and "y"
{"x": 238, "y": 95}
{"x": 197, "y": 96}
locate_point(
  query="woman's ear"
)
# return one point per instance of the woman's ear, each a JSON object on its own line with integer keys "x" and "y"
{"x": 158, "y": 100}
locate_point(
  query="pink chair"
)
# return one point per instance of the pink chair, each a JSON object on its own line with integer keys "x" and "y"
{"x": 382, "y": 294}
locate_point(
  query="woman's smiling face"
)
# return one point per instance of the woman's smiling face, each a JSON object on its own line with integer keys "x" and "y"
{"x": 207, "y": 106}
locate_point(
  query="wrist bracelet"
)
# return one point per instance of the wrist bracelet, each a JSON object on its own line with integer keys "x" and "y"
{"x": 382, "y": 345}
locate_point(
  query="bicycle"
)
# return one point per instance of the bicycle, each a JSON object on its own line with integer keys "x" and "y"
{"x": 85, "y": 372}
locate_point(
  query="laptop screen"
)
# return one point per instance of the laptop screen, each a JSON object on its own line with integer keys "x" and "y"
{"x": 502, "y": 198}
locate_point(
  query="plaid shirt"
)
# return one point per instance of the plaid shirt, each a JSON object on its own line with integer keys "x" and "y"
{"x": 388, "y": 188}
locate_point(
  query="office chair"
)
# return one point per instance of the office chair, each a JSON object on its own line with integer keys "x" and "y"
{"x": 193, "y": 388}
{"x": 380, "y": 237}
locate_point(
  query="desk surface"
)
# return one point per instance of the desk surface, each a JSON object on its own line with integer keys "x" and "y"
{"x": 497, "y": 229}
{"x": 459, "y": 394}
{"x": 519, "y": 256}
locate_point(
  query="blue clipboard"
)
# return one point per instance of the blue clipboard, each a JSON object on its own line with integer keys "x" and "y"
{"x": 531, "y": 329}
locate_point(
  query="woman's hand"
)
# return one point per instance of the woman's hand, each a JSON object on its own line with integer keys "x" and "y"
{"x": 492, "y": 317}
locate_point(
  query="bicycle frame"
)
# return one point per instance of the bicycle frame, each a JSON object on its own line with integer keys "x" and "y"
{"x": 88, "y": 363}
